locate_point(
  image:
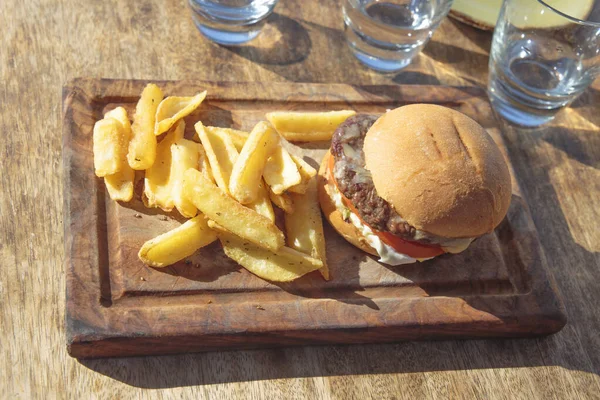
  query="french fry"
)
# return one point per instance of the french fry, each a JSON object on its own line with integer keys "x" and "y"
{"x": 304, "y": 227}
{"x": 184, "y": 155}
{"x": 178, "y": 243}
{"x": 283, "y": 201}
{"x": 219, "y": 141}
{"x": 248, "y": 168}
{"x": 230, "y": 214}
{"x": 262, "y": 204}
{"x": 120, "y": 184}
{"x": 238, "y": 137}
{"x": 282, "y": 265}
{"x": 281, "y": 171}
{"x": 120, "y": 114}
{"x": 110, "y": 146}
{"x": 174, "y": 108}
{"x": 158, "y": 184}
{"x": 142, "y": 147}
{"x": 307, "y": 126}
{"x": 299, "y": 188}
{"x": 306, "y": 172}
{"x": 204, "y": 165}
{"x": 221, "y": 154}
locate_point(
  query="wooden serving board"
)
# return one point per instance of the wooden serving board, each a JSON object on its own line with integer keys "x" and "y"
{"x": 117, "y": 306}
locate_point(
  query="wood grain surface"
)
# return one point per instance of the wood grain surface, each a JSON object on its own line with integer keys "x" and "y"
{"x": 44, "y": 44}
{"x": 117, "y": 306}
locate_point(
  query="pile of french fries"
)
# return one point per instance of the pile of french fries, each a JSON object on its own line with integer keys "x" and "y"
{"x": 225, "y": 181}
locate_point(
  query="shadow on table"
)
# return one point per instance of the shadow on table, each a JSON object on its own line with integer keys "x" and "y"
{"x": 285, "y": 45}
{"x": 313, "y": 361}
{"x": 481, "y": 39}
{"x": 282, "y": 42}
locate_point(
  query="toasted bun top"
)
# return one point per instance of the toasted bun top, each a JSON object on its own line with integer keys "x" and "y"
{"x": 439, "y": 169}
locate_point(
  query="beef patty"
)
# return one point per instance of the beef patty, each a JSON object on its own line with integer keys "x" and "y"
{"x": 355, "y": 181}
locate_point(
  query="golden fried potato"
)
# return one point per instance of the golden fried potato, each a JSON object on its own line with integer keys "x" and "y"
{"x": 109, "y": 146}
{"x": 120, "y": 114}
{"x": 238, "y": 137}
{"x": 281, "y": 171}
{"x": 221, "y": 154}
{"x": 158, "y": 182}
{"x": 262, "y": 204}
{"x": 142, "y": 147}
{"x": 304, "y": 227}
{"x": 174, "y": 108}
{"x": 120, "y": 184}
{"x": 248, "y": 168}
{"x": 307, "y": 126}
{"x": 230, "y": 214}
{"x": 184, "y": 155}
{"x": 281, "y": 265}
{"x": 178, "y": 243}
{"x": 306, "y": 172}
{"x": 204, "y": 165}
{"x": 283, "y": 201}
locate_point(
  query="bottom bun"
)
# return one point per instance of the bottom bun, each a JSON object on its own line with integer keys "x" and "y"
{"x": 346, "y": 229}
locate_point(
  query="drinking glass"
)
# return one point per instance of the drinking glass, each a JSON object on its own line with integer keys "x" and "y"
{"x": 544, "y": 54}
{"x": 231, "y": 22}
{"x": 387, "y": 35}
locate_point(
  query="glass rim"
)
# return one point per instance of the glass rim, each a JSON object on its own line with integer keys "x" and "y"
{"x": 569, "y": 17}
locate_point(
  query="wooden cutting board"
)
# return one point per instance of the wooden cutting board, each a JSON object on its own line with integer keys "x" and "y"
{"x": 117, "y": 306}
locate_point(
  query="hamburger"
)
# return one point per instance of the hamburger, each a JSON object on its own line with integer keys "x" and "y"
{"x": 419, "y": 181}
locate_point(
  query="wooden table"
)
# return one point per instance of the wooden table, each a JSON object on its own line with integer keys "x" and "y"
{"x": 44, "y": 44}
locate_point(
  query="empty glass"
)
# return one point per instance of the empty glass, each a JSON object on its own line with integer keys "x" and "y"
{"x": 544, "y": 54}
{"x": 231, "y": 22}
{"x": 387, "y": 35}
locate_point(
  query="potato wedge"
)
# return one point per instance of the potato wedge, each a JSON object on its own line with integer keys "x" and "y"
{"x": 238, "y": 137}
{"x": 158, "y": 184}
{"x": 177, "y": 244}
{"x": 262, "y": 204}
{"x": 204, "y": 165}
{"x": 299, "y": 188}
{"x": 120, "y": 184}
{"x": 230, "y": 214}
{"x": 281, "y": 171}
{"x": 283, "y": 201}
{"x": 307, "y": 126}
{"x": 248, "y": 168}
{"x": 221, "y": 154}
{"x": 304, "y": 227}
{"x": 184, "y": 155}
{"x": 174, "y": 108}
{"x": 120, "y": 114}
{"x": 283, "y": 265}
{"x": 306, "y": 172}
{"x": 142, "y": 147}
{"x": 109, "y": 147}
{"x": 220, "y": 141}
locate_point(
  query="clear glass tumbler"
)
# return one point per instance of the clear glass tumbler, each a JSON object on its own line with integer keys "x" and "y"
{"x": 386, "y": 35}
{"x": 231, "y": 22}
{"x": 544, "y": 54}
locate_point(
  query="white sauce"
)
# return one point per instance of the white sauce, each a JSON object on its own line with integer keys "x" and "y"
{"x": 387, "y": 254}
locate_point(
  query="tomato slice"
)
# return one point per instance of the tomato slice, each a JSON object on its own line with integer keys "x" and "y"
{"x": 411, "y": 249}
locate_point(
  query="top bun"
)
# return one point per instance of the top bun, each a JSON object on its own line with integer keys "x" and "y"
{"x": 439, "y": 169}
